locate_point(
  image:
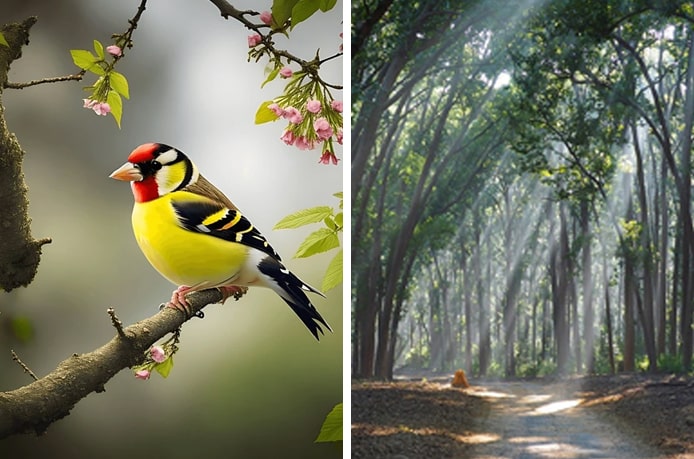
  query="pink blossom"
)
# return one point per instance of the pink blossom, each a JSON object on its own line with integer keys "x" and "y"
{"x": 266, "y": 17}
{"x": 142, "y": 374}
{"x": 114, "y": 50}
{"x": 102, "y": 108}
{"x": 157, "y": 353}
{"x": 339, "y": 136}
{"x": 327, "y": 157}
{"x": 336, "y": 105}
{"x": 313, "y": 106}
{"x": 288, "y": 137}
{"x": 323, "y": 128}
{"x": 286, "y": 72}
{"x": 276, "y": 109}
{"x": 302, "y": 143}
{"x": 293, "y": 115}
{"x": 254, "y": 40}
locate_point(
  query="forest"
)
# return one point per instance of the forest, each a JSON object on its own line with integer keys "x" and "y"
{"x": 521, "y": 187}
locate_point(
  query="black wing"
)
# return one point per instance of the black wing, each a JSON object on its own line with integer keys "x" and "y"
{"x": 215, "y": 219}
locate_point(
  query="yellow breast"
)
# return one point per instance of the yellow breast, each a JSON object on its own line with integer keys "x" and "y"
{"x": 182, "y": 256}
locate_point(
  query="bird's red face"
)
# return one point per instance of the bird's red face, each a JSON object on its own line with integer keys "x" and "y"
{"x": 155, "y": 169}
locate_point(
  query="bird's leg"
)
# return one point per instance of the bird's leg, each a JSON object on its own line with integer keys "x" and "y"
{"x": 231, "y": 290}
{"x": 178, "y": 301}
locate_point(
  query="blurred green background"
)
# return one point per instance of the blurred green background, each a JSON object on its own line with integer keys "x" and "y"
{"x": 250, "y": 380}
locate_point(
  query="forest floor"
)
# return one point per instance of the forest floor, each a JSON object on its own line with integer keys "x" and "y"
{"x": 624, "y": 416}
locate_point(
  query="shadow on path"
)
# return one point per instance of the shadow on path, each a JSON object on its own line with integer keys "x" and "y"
{"x": 534, "y": 420}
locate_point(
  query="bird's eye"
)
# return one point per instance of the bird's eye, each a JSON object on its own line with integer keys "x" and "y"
{"x": 156, "y": 165}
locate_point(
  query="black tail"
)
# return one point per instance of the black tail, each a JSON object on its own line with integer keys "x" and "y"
{"x": 292, "y": 289}
{"x": 306, "y": 312}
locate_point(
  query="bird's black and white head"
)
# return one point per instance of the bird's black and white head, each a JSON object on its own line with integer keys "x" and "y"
{"x": 155, "y": 169}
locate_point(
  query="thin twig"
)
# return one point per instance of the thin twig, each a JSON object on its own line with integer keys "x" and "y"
{"x": 26, "y": 84}
{"x": 227, "y": 10}
{"x": 117, "y": 324}
{"x": 127, "y": 43}
{"x": 127, "y": 37}
{"x": 26, "y": 369}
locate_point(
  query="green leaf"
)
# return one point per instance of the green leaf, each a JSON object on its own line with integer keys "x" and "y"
{"x": 119, "y": 84}
{"x": 97, "y": 69}
{"x": 331, "y": 430}
{"x": 333, "y": 275}
{"x": 304, "y": 217}
{"x": 264, "y": 114}
{"x": 3, "y": 41}
{"x": 84, "y": 59}
{"x": 327, "y": 5}
{"x": 23, "y": 328}
{"x": 99, "y": 49}
{"x": 116, "y": 103}
{"x": 165, "y": 367}
{"x": 330, "y": 223}
{"x": 282, "y": 10}
{"x": 271, "y": 76}
{"x": 338, "y": 219}
{"x": 319, "y": 241}
{"x": 303, "y": 10}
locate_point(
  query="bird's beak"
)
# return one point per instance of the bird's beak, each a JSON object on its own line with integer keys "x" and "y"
{"x": 128, "y": 173}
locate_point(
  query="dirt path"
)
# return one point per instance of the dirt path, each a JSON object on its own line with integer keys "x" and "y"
{"x": 532, "y": 420}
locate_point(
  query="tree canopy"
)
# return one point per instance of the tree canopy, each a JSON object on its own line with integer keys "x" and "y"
{"x": 521, "y": 195}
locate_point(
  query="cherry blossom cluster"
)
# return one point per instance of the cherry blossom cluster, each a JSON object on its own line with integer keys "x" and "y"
{"x": 97, "y": 100}
{"x": 312, "y": 124}
{"x": 158, "y": 358}
{"x": 314, "y": 117}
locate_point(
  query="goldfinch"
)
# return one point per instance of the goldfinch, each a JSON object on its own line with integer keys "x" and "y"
{"x": 196, "y": 238}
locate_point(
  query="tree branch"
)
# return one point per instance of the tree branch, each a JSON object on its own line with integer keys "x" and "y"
{"x": 34, "y": 407}
{"x": 19, "y": 252}
{"x": 76, "y": 77}
{"x": 310, "y": 67}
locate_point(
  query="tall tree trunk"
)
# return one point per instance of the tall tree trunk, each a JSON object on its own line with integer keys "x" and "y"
{"x": 676, "y": 263}
{"x": 661, "y": 286}
{"x": 608, "y": 315}
{"x": 685, "y": 212}
{"x": 645, "y": 307}
{"x": 587, "y": 287}
{"x": 484, "y": 293}
{"x": 559, "y": 254}
{"x": 467, "y": 298}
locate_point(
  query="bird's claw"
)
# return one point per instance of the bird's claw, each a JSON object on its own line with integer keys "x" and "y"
{"x": 179, "y": 302}
{"x": 228, "y": 291}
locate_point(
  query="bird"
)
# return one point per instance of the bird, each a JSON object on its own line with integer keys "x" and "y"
{"x": 195, "y": 237}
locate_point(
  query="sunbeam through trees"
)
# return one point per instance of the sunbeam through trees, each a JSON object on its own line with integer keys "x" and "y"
{"x": 522, "y": 187}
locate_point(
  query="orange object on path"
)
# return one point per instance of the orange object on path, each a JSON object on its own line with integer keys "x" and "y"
{"x": 459, "y": 379}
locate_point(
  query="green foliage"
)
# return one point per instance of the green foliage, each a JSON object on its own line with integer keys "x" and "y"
{"x": 264, "y": 114}
{"x": 321, "y": 240}
{"x": 333, "y": 273}
{"x": 3, "y": 40}
{"x": 305, "y": 217}
{"x": 22, "y": 328}
{"x": 165, "y": 367}
{"x": 669, "y": 363}
{"x": 298, "y": 10}
{"x": 110, "y": 85}
{"x": 331, "y": 430}
{"x": 417, "y": 357}
{"x": 537, "y": 369}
